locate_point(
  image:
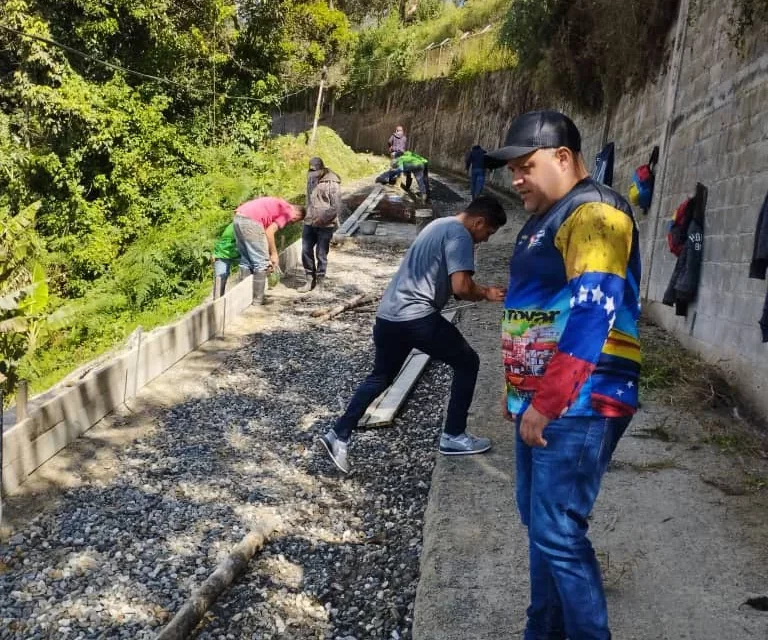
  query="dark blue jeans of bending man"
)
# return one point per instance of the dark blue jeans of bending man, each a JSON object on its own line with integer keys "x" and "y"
{"x": 436, "y": 337}
{"x": 478, "y": 182}
{"x": 556, "y": 489}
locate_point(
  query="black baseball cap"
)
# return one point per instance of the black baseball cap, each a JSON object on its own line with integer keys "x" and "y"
{"x": 536, "y": 130}
{"x": 316, "y": 164}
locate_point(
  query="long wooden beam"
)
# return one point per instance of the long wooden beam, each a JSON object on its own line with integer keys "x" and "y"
{"x": 351, "y": 222}
{"x": 383, "y": 410}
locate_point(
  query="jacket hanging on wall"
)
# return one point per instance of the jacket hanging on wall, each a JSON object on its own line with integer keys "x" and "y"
{"x": 603, "y": 171}
{"x": 686, "y": 241}
{"x": 759, "y": 264}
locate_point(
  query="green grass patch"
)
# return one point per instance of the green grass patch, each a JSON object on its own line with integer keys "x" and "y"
{"x": 167, "y": 272}
{"x": 393, "y": 51}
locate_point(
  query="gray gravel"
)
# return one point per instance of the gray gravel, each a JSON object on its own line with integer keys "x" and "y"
{"x": 117, "y": 560}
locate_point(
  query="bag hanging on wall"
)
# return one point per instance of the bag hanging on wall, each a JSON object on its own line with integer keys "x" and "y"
{"x": 678, "y": 226}
{"x": 641, "y": 190}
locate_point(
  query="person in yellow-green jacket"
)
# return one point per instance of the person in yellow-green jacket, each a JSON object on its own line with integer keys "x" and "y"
{"x": 414, "y": 165}
{"x": 225, "y": 255}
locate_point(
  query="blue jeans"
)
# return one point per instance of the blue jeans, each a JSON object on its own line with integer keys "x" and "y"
{"x": 422, "y": 179}
{"x": 221, "y": 268}
{"x": 252, "y": 244}
{"x": 436, "y": 337}
{"x": 478, "y": 182}
{"x": 557, "y": 486}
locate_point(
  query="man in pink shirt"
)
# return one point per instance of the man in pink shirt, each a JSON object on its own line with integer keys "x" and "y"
{"x": 256, "y": 223}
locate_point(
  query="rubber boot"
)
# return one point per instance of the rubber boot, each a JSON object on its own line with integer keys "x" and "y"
{"x": 320, "y": 284}
{"x": 259, "y": 286}
{"x": 308, "y": 285}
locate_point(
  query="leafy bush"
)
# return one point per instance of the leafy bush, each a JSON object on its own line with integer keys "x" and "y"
{"x": 390, "y": 50}
{"x": 166, "y": 271}
{"x": 23, "y": 291}
{"x": 428, "y": 9}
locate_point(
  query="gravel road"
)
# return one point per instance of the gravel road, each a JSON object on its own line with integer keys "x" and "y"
{"x": 117, "y": 558}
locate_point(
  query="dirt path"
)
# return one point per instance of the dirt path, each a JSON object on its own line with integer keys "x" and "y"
{"x": 680, "y": 526}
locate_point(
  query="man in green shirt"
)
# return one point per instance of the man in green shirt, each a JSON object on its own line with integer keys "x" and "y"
{"x": 412, "y": 164}
{"x": 225, "y": 255}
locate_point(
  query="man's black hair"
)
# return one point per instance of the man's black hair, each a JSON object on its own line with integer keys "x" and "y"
{"x": 489, "y": 208}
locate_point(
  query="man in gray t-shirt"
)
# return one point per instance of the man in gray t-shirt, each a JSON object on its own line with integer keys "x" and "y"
{"x": 439, "y": 263}
{"x": 422, "y": 284}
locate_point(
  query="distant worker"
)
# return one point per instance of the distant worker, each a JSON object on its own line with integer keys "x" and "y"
{"x": 225, "y": 256}
{"x": 256, "y": 223}
{"x": 324, "y": 205}
{"x": 412, "y": 164}
{"x": 475, "y": 164}
{"x": 440, "y": 262}
{"x": 397, "y": 142}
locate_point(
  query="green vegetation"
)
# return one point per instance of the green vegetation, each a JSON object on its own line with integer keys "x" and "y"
{"x": 167, "y": 271}
{"x": 585, "y": 52}
{"x": 129, "y": 130}
{"x": 394, "y": 50}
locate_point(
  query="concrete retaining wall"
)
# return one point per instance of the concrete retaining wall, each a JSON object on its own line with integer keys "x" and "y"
{"x": 707, "y": 111}
{"x": 73, "y": 410}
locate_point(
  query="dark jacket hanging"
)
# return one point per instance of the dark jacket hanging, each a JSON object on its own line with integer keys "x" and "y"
{"x": 759, "y": 264}
{"x": 684, "y": 284}
{"x": 603, "y": 171}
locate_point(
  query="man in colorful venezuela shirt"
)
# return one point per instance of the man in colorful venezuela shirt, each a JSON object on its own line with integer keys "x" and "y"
{"x": 571, "y": 362}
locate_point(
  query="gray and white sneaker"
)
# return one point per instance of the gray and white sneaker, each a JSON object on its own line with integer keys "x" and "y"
{"x": 337, "y": 450}
{"x": 465, "y": 444}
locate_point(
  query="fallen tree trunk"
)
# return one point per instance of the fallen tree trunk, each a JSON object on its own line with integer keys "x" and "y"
{"x": 188, "y": 617}
{"x": 357, "y": 301}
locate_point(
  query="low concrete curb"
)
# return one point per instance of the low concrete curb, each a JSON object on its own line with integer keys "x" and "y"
{"x": 73, "y": 410}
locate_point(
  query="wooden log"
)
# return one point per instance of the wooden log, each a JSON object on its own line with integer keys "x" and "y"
{"x": 188, "y": 617}
{"x": 366, "y": 308}
{"x": 327, "y": 314}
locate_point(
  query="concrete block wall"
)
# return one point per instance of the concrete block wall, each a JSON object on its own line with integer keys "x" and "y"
{"x": 71, "y": 411}
{"x": 708, "y": 112}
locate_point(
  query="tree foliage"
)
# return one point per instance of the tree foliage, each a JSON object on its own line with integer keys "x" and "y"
{"x": 105, "y": 156}
{"x": 23, "y": 290}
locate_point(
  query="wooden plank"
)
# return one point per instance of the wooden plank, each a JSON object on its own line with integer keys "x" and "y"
{"x": 364, "y": 206}
{"x": 364, "y": 215}
{"x": 383, "y": 410}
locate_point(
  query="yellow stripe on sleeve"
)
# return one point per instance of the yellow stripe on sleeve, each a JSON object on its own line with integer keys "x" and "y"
{"x": 622, "y": 345}
{"x": 595, "y": 238}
